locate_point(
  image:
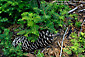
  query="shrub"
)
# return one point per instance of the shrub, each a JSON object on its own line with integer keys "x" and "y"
{"x": 49, "y": 16}
{"x": 10, "y": 10}
{"x": 7, "y": 46}
{"x": 78, "y": 44}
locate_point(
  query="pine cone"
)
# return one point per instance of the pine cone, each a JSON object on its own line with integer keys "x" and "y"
{"x": 44, "y": 39}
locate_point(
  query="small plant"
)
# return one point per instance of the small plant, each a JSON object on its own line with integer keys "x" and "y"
{"x": 10, "y": 10}
{"x": 78, "y": 24}
{"x": 78, "y": 44}
{"x": 6, "y": 42}
{"x": 45, "y": 17}
{"x": 40, "y": 54}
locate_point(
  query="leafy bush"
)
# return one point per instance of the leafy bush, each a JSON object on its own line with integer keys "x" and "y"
{"x": 10, "y": 10}
{"x": 7, "y": 46}
{"x": 78, "y": 44}
{"x": 49, "y": 16}
{"x": 26, "y": 13}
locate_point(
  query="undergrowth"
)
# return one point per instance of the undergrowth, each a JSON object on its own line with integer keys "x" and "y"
{"x": 26, "y": 13}
{"x": 78, "y": 46}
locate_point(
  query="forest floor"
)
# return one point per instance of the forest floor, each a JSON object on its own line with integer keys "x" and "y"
{"x": 54, "y": 49}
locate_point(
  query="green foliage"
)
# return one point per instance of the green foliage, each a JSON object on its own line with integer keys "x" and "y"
{"x": 78, "y": 24}
{"x": 68, "y": 51}
{"x": 78, "y": 44}
{"x": 49, "y": 16}
{"x": 6, "y": 42}
{"x": 62, "y": 0}
{"x": 40, "y": 54}
{"x": 10, "y": 10}
{"x": 26, "y": 13}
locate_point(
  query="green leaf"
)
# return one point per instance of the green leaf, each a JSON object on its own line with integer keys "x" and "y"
{"x": 30, "y": 23}
{"x": 0, "y": 31}
{"x": 25, "y": 18}
{"x": 56, "y": 32}
{"x": 0, "y": 11}
{"x": 40, "y": 54}
{"x": 6, "y": 31}
{"x": 25, "y": 14}
{"x": 82, "y": 33}
{"x": 67, "y": 51}
{"x": 47, "y": 16}
{"x": 21, "y": 32}
{"x": 28, "y": 32}
{"x": 37, "y": 19}
{"x": 78, "y": 24}
{"x": 61, "y": 17}
{"x": 4, "y": 20}
{"x": 35, "y": 29}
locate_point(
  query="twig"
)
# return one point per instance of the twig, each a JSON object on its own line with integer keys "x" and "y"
{"x": 81, "y": 10}
{"x": 72, "y": 4}
{"x": 60, "y": 1}
{"x": 81, "y": 28}
{"x": 54, "y": 35}
{"x": 69, "y": 3}
{"x": 59, "y": 44}
{"x": 81, "y": 2}
{"x": 75, "y": 8}
{"x": 62, "y": 42}
{"x": 43, "y": 50}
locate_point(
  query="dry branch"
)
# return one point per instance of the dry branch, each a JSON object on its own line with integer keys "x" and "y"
{"x": 62, "y": 41}
{"x": 75, "y": 8}
{"x": 81, "y": 10}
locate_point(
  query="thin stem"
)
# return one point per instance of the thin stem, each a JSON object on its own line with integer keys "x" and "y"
{"x": 62, "y": 41}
